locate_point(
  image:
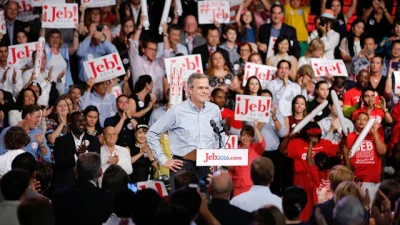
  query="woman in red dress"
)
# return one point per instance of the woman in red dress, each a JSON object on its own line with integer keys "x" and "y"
{"x": 305, "y": 175}
{"x": 241, "y": 174}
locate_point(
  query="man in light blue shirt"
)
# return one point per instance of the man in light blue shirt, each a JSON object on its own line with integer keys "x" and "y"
{"x": 94, "y": 46}
{"x": 104, "y": 101}
{"x": 189, "y": 129}
{"x": 174, "y": 35}
{"x": 31, "y": 116}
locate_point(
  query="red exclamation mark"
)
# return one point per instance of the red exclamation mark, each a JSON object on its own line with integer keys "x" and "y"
{"x": 268, "y": 107}
{"x": 159, "y": 189}
{"x": 196, "y": 58}
{"x": 237, "y": 105}
{"x": 116, "y": 61}
{"x": 75, "y": 11}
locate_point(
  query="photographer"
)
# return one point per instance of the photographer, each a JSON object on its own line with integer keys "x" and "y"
{"x": 95, "y": 45}
{"x": 324, "y": 31}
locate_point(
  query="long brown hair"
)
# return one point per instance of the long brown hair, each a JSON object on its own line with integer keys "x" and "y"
{"x": 122, "y": 34}
{"x": 211, "y": 67}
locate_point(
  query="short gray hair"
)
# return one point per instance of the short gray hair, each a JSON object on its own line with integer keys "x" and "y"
{"x": 88, "y": 166}
{"x": 349, "y": 211}
{"x": 195, "y": 76}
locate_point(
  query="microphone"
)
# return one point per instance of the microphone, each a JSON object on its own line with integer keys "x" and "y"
{"x": 214, "y": 126}
{"x": 224, "y": 126}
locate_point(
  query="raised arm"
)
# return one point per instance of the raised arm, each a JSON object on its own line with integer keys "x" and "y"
{"x": 73, "y": 47}
{"x": 350, "y": 11}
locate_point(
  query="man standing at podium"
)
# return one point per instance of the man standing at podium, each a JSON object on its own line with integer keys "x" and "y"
{"x": 189, "y": 129}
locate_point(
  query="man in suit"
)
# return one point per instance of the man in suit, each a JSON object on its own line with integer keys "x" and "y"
{"x": 12, "y": 24}
{"x": 227, "y": 214}
{"x": 84, "y": 203}
{"x": 337, "y": 175}
{"x": 188, "y": 36}
{"x": 274, "y": 30}
{"x": 206, "y": 50}
{"x": 68, "y": 148}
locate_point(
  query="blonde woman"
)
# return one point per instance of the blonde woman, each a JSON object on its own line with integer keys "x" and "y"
{"x": 304, "y": 77}
{"x": 315, "y": 50}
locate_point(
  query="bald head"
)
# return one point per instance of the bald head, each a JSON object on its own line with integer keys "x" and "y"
{"x": 110, "y": 136}
{"x": 190, "y": 25}
{"x": 221, "y": 185}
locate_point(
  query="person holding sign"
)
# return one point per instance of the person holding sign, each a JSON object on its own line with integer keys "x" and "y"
{"x": 308, "y": 143}
{"x": 367, "y": 161}
{"x": 189, "y": 129}
{"x": 10, "y": 77}
{"x": 241, "y": 174}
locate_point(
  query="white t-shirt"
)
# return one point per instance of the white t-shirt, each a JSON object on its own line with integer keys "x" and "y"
{"x": 6, "y": 160}
{"x": 59, "y": 64}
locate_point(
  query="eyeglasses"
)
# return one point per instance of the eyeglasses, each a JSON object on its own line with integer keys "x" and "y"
{"x": 244, "y": 50}
{"x": 152, "y": 49}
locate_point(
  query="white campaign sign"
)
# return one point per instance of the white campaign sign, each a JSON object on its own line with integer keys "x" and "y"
{"x": 176, "y": 85}
{"x": 20, "y": 55}
{"x": 213, "y": 11}
{"x": 396, "y": 82}
{"x": 39, "y": 3}
{"x": 262, "y": 72}
{"x": 3, "y": 28}
{"x": 250, "y": 108}
{"x": 104, "y": 68}
{"x": 39, "y": 56}
{"x": 25, "y": 12}
{"x": 271, "y": 44}
{"x": 187, "y": 66}
{"x": 116, "y": 90}
{"x": 97, "y": 3}
{"x": 323, "y": 66}
{"x": 155, "y": 185}
{"x": 231, "y": 141}
{"x": 220, "y": 157}
{"x": 60, "y": 15}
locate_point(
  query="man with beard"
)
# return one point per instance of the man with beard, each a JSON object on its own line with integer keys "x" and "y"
{"x": 123, "y": 123}
{"x": 68, "y": 148}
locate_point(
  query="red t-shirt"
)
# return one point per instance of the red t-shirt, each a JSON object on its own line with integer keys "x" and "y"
{"x": 352, "y": 96}
{"x": 377, "y": 114}
{"x": 227, "y": 113}
{"x": 366, "y": 161}
{"x": 297, "y": 150}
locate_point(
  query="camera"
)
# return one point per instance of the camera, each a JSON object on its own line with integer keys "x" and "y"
{"x": 99, "y": 28}
{"x": 322, "y": 21}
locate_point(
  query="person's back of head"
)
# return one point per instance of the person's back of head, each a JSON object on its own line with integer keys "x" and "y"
{"x": 184, "y": 178}
{"x": 14, "y": 184}
{"x": 167, "y": 214}
{"x": 293, "y": 202}
{"x": 115, "y": 180}
{"x": 262, "y": 171}
{"x": 221, "y": 185}
{"x": 124, "y": 204}
{"x": 88, "y": 166}
{"x": 349, "y": 211}
{"x": 25, "y": 161}
{"x": 44, "y": 174}
{"x": 338, "y": 174}
{"x": 189, "y": 198}
{"x": 347, "y": 188}
{"x": 268, "y": 215}
{"x": 146, "y": 203}
{"x": 35, "y": 210}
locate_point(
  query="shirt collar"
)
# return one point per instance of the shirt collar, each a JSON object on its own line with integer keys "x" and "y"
{"x": 80, "y": 138}
{"x": 213, "y": 48}
{"x": 195, "y": 107}
{"x": 94, "y": 183}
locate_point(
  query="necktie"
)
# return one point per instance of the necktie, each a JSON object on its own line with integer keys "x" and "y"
{"x": 211, "y": 51}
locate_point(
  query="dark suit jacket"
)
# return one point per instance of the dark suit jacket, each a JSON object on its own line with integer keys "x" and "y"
{"x": 18, "y": 25}
{"x": 326, "y": 210}
{"x": 228, "y": 214}
{"x": 205, "y": 55}
{"x": 264, "y": 35}
{"x": 64, "y": 151}
{"x": 82, "y": 204}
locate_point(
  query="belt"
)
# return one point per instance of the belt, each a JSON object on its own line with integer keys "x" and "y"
{"x": 191, "y": 156}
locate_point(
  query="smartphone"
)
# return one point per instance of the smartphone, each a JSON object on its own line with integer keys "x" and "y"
{"x": 99, "y": 28}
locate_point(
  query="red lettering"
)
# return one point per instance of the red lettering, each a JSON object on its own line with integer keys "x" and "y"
{"x": 26, "y": 7}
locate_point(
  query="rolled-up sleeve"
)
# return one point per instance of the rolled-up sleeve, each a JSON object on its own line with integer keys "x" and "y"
{"x": 163, "y": 124}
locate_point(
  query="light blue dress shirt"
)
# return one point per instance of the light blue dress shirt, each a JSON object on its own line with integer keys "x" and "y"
{"x": 33, "y": 147}
{"x": 179, "y": 49}
{"x": 188, "y": 128}
{"x": 105, "y": 105}
{"x": 156, "y": 114}
{"x": 87, "y": 51}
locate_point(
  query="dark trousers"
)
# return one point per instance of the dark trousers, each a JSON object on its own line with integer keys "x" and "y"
{"x": 188, "y": 165}
{"x": 275, "y": 157}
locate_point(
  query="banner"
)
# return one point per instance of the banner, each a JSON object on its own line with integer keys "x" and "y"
{"x": 231, "y": 141}
{"x": 25, "y": 12}
{"x": 187, "y": 65}
{"x": 220, "y": 157}
{"x": 262, "y": 72}
{"x": 155, "y": 185}
{"x": 20, "y": 55}
{"x": 104, "y": 68}
{"x": 39, "y": 3}
{"x": 60, "y": 15}
{"x": 97, "y": 3}
{"x": 3, "y": 28}
{"x": 39, "y": 56}
{"x": 211, "y": 11}
{"x": 250, "y": 108}
{"x": 334, "y": 67}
